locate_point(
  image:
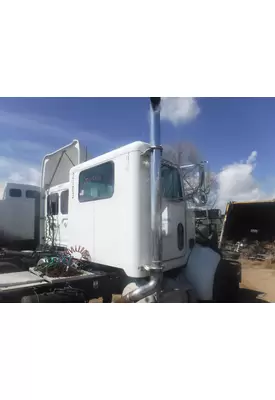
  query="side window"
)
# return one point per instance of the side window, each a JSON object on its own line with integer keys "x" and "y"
{"x": 171, "y": 183}
{"x": 52, "y": 204}
{"x": 32, "y": 194}
{"x": 15, "y": 193}
{"x": 97, "y": 183}
{"x": 64, "y": 202}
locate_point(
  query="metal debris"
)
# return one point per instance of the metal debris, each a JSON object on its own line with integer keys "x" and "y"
{"x": 253, "y": 250}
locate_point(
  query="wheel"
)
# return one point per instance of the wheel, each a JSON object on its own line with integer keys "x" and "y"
{"x": 107, "y": 298}
{"x": 177, "y": 296}
{"x": 226, "y": 282}
{"x": 29, "y": 299}
{"x": 6, "y": 267}
{"x": 235, "y": 290}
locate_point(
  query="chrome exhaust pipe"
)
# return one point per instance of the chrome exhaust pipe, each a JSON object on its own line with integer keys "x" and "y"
{"x": 153, "y": 286}
{"x": 150, "y": 288}
{"x": 156, "y": 157}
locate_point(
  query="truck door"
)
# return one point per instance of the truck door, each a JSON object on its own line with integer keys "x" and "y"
{"x": 63, "y": 218}
{"x": 173, "y": 217}
{"x": 51, "y": 224}
{"x": 57, "y": 218}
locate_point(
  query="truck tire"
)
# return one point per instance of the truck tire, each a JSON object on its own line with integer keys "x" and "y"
{"x": 28, "y": 299}
{"x": 177, "y": 296}
{"x": 107, "y": 298}
{"x": 7, "y": 267}
{"x": 226, "y": 282}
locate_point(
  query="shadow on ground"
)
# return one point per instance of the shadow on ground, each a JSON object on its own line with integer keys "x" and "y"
{"x": 251, "y": 296}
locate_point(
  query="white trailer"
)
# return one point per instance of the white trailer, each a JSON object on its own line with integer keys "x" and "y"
{"x": 19, "y": 216}
{"x": 125, "y": 213}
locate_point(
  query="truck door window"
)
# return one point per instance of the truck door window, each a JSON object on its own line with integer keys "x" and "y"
{"x": 96, "y": 183}
{"x": 32, "y": 194}
{"x": 52, "y": 204}
{"x": 171, "y": 183}
{"x": 15, "y": 193}
{"x": 64, "y": 202}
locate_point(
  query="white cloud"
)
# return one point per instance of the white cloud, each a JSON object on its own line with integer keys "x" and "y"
{"x": 23, "y": 148}
{"x": 51, "y": 127}
{"x": 237, "y": 183}
{"x": 252, "y": 158}
{"x": 12, "y": 170}
{"x": 20, "y": 160}
{"x": 179, "y": 110}
{"x": 19, "y": 171}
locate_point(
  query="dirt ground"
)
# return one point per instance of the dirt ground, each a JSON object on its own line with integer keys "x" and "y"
{"x": 258, "y": 282}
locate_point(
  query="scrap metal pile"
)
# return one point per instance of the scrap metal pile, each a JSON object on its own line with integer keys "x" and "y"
{"x": 254, "y": 250}
{"x": 59, "y": 266}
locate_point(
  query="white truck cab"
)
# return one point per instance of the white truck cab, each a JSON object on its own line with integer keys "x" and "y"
{"x": 123, "y": 222}
{"x": 110, "y": 211}
{"x": 103, "y": 214}
{"x": 127, "y": 211}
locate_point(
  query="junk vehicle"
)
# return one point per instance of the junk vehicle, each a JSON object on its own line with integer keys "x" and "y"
{"x": 249, "y": 230}
{"x": 19, "y": 216}
{"x": 119, "y": 224}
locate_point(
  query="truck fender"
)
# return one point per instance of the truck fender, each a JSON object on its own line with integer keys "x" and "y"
{"x": 200, "y": 271}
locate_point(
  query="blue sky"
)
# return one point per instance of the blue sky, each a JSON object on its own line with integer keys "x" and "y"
{"x": 224, "y": 130}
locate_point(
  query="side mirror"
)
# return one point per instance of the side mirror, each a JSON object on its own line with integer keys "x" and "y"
{"x": 199, "y": 199}
{"x": 196, "y": 200}
{"x": 203, "y": 198}
{"x": 198, "y": 195}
